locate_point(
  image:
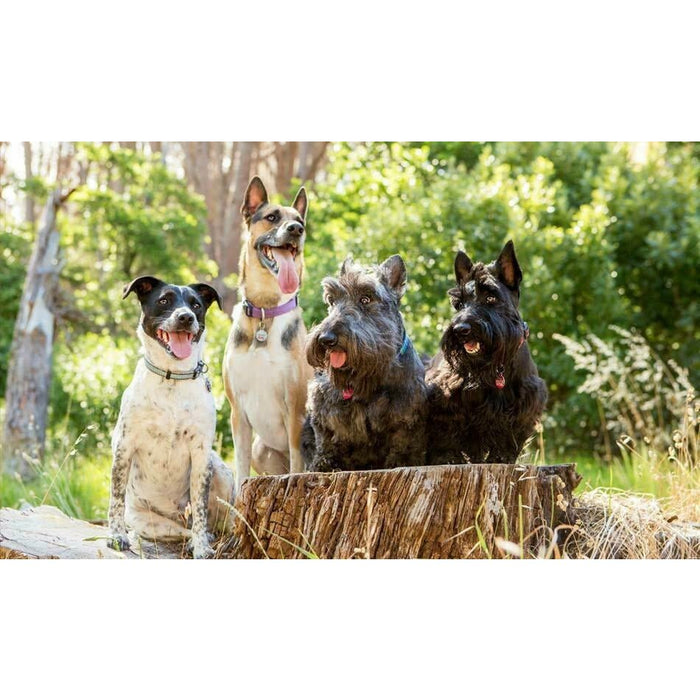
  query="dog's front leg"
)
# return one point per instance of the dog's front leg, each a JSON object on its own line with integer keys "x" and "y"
{"x": 121, "y": 466}
{"x": 200, "y": 479}
{"x": 294, "y": 423}
{"x": 242, "y": 443}
{"x": 327, "y": 456}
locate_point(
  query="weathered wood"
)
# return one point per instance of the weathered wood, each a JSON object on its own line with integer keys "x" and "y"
{"x": 47, "y": 533}
{"x": 445, "y": 512}
{"x": 29, "y": 370}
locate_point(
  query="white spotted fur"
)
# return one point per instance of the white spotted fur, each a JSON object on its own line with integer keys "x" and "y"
{"x": 164, "y": 472}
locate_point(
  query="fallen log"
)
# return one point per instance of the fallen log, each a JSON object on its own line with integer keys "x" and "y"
{"x": 446, "y": 512}
{"x": 45, "y": 532}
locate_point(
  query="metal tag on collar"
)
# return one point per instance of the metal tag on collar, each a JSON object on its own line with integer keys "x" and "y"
{"x": 261, "y": 333}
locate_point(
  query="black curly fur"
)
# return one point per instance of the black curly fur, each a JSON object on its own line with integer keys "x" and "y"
{"x": 483, "y": 405}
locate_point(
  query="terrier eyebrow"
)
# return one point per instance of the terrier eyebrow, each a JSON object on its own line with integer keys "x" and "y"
{"x": 332, "y": 286}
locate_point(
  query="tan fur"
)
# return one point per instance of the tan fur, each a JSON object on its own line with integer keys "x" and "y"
{"x": 266, "y": 384}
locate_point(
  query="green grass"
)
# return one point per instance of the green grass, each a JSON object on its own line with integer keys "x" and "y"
{"x": 76, "y": 479}
{"x": 75, "y": 482}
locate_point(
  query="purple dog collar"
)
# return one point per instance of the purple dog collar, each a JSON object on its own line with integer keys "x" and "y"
{"x": 253, "y": 311}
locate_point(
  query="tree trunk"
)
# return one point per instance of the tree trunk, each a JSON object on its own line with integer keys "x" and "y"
{"x": 233, "y": 220}
{"x": 446, "y": 512}
{"x": 312, "y": 155}
{"x": 285, "y": 158}
{"x": 29, "y": 371}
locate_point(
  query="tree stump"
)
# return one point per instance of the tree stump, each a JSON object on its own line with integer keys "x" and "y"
{"x": 446, "y": 512}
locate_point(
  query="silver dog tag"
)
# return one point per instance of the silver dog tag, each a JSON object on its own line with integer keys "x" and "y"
{"x": 261, "y": 334}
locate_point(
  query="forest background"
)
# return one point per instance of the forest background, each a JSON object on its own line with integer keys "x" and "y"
{"x": 607, "y": 235}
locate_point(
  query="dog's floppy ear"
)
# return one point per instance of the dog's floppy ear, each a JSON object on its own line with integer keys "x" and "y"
{"x": 255, "y": 196}
{"x": 393, "y": 273}
{"x": 507, "y": 267}
{"x": 301, "y": 202}
{"x": 463, "y": 266}
{"x": 142, "y": 286}
{"x": 208, "y": 294}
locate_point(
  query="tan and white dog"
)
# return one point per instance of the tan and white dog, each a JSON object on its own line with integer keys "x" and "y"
{"x": 265, "y": 369}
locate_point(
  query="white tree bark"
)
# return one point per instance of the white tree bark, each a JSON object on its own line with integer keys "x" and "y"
{"x": 29, "y": 371}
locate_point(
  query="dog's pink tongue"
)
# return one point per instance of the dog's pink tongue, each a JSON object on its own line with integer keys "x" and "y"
{"x": 287, "y": 277}
{"x": 181, "y": 345}
{"x": 338, "y": 358}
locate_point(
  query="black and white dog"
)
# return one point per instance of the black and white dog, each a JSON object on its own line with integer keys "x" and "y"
{"x": 163, "y": 459}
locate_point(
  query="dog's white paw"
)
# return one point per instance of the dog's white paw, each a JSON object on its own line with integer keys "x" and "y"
{"x": 200, "y": 548}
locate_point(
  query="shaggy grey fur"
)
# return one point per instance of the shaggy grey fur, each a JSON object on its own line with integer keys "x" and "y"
{"x": 368, "y": 412}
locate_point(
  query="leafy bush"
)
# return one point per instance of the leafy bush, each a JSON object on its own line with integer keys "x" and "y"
{"x": 15, "y": 248}
{"x": 602, "y": 238}
{"x": 606, "y": 234}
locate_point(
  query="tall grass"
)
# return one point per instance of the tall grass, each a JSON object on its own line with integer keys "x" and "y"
{"x": 75, "y": 482}
{"x": 649, "y": 420}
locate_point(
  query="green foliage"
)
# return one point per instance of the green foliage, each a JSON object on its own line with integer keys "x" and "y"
{"x": 72, "y": 478}
{"x": 605, "y": 233}
{"x": 602, "y": 240}
{"x": 15, "y": 249}
{"x": 133, "y": 217}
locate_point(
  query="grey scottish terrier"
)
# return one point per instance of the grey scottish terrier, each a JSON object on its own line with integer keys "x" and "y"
{"x": 367, "y": 402}
{"x": 485, "y": 395}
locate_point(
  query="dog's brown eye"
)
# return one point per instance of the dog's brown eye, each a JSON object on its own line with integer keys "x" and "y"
{"x": 330, "y": 301}
{"x": 365, "y": 299}
{"x": 196, "y": 305}
{"x": 163, "y": 301}
{"x": 271, "y": 217}
{"x": 490, "y": 299}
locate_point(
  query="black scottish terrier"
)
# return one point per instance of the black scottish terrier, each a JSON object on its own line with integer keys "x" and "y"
{"x": 484, "y": 393}
{"x": 367, "y": 402}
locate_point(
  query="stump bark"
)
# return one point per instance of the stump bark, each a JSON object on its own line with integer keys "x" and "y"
{"x": 461, "y": 511}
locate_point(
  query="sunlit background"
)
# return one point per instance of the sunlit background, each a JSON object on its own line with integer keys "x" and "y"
{"x": 607, "y": 235}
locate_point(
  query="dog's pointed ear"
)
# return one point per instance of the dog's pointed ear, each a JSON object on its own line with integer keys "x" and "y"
{"x": 347, "y": 264}
{"x": 507, "y": 267}
{"x": 463, "y": 266}
{"x": 393, "y": 273}
{"x": 142, "y": 286}
{"x": 208, "y": 294}
{"x": 301, "y": 202}
{"x": 255, "y": 197}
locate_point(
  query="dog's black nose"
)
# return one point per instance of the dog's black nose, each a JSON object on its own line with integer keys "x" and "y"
{"x": 328, "y": 339}
{"x": 295, "y": 228}
{"x": 184, "y": 316}
{"x": 463, "y": 328}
